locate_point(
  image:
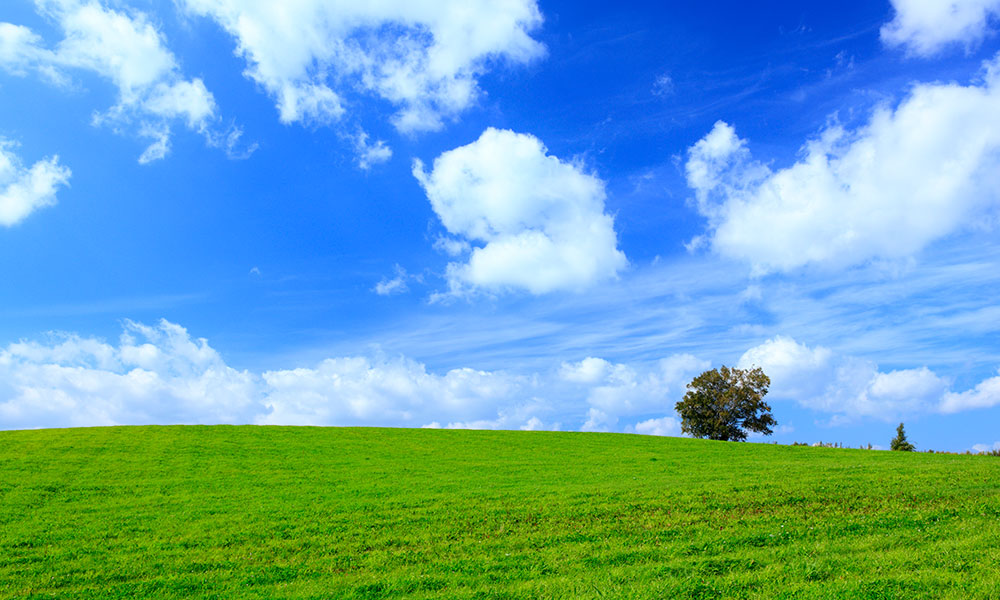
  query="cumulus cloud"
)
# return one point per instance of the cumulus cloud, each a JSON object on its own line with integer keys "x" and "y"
{"x": 154, "y": 375}
{"x": 849, "y": 387}
{"x": 424, "y": 58}
{"x": 984, "y": 395}
{"x": 795, "y": 369}
{"x": 588, "y": 370}
{"x": 615, "y": 391}
{"x": 363, "y": 391}
{"x": 912, "y": 175}
{"x": 667, "y": 426}
{"x": 25, "y": 190}
{"x": 160, "y": 374}
{"x": 400, "y": 391}
{"x": 925, "y": 27}
{"x": 126, "y": 49}
{"x": 598, "y": 420}
{"x": 506, "y": 419}
{"x": 535, "y": 222}
{"x": 536, "y": 424}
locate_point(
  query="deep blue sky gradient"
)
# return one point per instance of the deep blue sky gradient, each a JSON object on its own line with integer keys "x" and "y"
{"x": 274, "y": 258}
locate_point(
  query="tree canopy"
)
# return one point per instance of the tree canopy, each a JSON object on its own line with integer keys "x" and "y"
{"x": 900, "y": 442}
{"x": 724, "y": 404}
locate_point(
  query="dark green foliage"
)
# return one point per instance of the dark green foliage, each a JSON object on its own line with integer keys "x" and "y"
{"x": 324, "y": 513}
{"x": 724, "y": 404}
{"x": 900, "y": 442}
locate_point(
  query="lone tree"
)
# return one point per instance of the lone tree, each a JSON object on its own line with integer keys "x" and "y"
{"x": 900, "y": 442}
{"x": 723, "y": 404}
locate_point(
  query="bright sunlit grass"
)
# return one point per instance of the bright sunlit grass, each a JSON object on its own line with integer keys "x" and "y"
{"x": 269, "y": 512}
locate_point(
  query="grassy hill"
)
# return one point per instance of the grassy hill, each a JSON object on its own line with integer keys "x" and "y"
{"x": 276, "y": 512}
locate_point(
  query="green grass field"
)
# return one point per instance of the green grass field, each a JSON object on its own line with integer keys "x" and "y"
{"x": 282, "y": 512}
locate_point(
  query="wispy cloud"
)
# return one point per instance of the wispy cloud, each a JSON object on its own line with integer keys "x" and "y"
{"x": 397, "y": 284}
{"x": 368, "y": 153}
{"x": 933, "y": 313}
{"x": 23, "y": 190}
{"x": 129, "y": 51}
{"x": 107, "y": 306}
{"x": 422, "y": 58}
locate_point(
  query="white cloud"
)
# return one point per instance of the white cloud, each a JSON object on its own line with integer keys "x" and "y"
{"x": 382, "y": 391}
{"x": 422, "y": 57}
{"x": 160, "y": 374}
{"x": 986, "y": 447}
{"x": 24, "y": 190}
{"x": 533, "y": 424}
{"x": 540, "y": 221}
{"x": 588, "y": 370}
{"x": 984, "y": 395}
{"x": 20, "y": 48}
{"x": 368, "y": 154}
{"x": 907, "y": 387}
{"x": 474, "y": 425}
{"x": 363, "y": 391}
{"x": 388, "y": 287}
{"x": 598, "y": 420}
{"x": 678, "y": 369}
{"x": 667, "y": 426}
{"x": 126, "y": 49}
{"x": 163, "y": 377}
{"x": 451, "y": 246}
{"x": 663, "y": 85}
{"x": 160, "y": 146}
{"x": 910, "y": 176}
{"x": 614, "y": 391}
{"x": 795, "y": 370}
{"x": 506, "y": 419}
{"x": 925, "y": 27}
{"x": 395, "y": 285}
{"x": 398, "y": 391}
{"x": 852, "y": 388}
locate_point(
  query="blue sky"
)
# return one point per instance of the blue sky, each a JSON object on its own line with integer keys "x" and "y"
{"x": 500, "y": 214}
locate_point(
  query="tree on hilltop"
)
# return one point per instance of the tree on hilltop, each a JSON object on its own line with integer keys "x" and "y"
{"x": 724, "y": 404}
{"x": 900, "y": 442}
